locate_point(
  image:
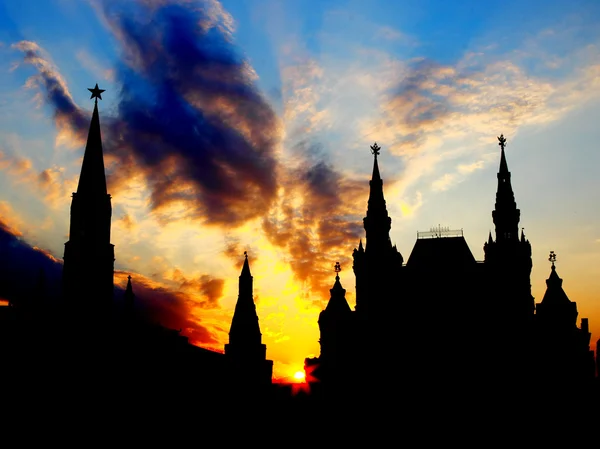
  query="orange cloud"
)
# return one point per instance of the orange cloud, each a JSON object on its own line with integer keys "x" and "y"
{"x": 48, "y": 254}
{"x": 9, "y": 220}
{"x": 173, "y": 309}
{"x": 51, "y": 181}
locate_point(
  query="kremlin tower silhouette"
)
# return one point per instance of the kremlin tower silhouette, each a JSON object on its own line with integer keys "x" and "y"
{"x": 88, "y": 273}
{"x": 445, "y": 324}
{"x": 440, "y": 325}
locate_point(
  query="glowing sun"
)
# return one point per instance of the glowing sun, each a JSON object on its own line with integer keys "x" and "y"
{"x": 299, "y": 375}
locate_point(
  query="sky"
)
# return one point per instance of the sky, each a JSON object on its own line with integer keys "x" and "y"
{"x": 245, "y": 126}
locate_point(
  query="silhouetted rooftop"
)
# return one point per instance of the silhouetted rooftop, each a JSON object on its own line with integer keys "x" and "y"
{"x": 555, "y": 295}
{"x": 434, "y": 251}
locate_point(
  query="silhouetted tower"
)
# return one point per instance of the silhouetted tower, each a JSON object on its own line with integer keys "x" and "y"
{"x": 556, "y": 311}
{"x": 508, "y": 258}
{"x": 564, "y": 348}
{"x": 377, "y": 265}
{"x": 88, "y": 272}
{"x": 129, "y": 300}
{"x": 334, "y": 323}
{"x": 245, "y": 348}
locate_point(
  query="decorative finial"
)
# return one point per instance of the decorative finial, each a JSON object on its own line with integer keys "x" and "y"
{"x": 337, "y": 267}
{"x": 375, "y": 149}
{"x": 96, "y": 93}
{"x": 552, "y": 258}
{"x": 502, "y": 141}
{"x": 246, "y": 254}
{"x": 129, "y": 278}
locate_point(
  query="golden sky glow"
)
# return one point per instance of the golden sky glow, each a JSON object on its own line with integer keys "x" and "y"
{"x": 295, "y": 116}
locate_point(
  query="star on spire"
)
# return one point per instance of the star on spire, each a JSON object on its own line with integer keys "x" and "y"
{"x": 96, "y": 92}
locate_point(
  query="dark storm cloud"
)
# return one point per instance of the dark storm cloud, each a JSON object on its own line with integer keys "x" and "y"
{"x": 189, "y": 103}
{"x": 189, "y": 115}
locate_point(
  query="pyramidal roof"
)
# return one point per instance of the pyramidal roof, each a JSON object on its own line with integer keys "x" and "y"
{"x": 92, "y": 179}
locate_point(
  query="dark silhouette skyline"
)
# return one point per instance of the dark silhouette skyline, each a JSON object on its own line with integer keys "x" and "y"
{"x": 469, "y": 326}
{"x": 471, "y": 331}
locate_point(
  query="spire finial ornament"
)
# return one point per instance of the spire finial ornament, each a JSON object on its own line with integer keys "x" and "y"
{"x": 375, "y": 149}
{"x": 502, "y": 141}
{"x": 96, "y": 93}
{"x": 337, "y": 269}
{"x": 246, "y": 254}
{"x": 552, "y": 258}
{"x": 129, "y": 278}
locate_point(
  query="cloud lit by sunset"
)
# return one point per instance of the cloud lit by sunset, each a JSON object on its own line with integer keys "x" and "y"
{"x": 232, "y": 126}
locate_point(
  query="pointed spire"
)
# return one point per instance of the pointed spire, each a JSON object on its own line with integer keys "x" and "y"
{"x": 129, "y": 296}
{"x": 244, "y": 325}
{"x": 337, "y": 302}
{"x": 506, "y": 215}
{"x": 129, "y": 289}
{"x": 503, "y": 165}
{"x": 360, "y": 246}
{"x": 377, "y": 223}
{"x": 246, "y": 266}
{"x": 555, "y": 295}
{"x": 523, "y": 235}
{"x": 92, "y": 179}
{"x": 490, "y": 239}
{"x": 375, "y": 149}
{"x": 553, "y": 280}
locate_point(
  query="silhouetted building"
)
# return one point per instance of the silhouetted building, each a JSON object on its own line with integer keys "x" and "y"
{"x": 246, "y": 352}
{"x": 564, "y": 355}
{"x": 87, "y": 337}
{"x": 445, "y": 322}
{"x": 441, "y": 322}
{"x": 336, "y": 324}
{"x": 88, "y": 273}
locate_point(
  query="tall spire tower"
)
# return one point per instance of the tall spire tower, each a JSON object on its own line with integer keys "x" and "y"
{"x": 509, "y": 256}
{"x": 506, "y": 215}
{"x": 245, "y": 349}
{"x": 88, "y": 272}
{"x": 377, "y": 223}
{"x": 377, "y": 265}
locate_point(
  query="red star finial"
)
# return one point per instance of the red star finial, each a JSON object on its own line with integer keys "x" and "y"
{"x": 96, "y": 92}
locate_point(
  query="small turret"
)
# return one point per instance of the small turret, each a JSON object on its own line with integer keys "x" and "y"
{"x": 334, "y": 320}
{"x": 129, "y": 299}
{"x": 556, "y": 310}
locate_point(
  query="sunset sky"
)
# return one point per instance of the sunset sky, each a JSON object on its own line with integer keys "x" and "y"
{"x": 245, "y": 125}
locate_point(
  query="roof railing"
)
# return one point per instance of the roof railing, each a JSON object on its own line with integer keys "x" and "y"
{"x": 440, "y": 232}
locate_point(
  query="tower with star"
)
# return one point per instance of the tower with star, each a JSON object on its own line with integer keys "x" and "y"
{"x": 88, "y": 272}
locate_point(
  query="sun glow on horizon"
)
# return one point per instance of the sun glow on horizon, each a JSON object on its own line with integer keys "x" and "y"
{"x": 299, "y": 376}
